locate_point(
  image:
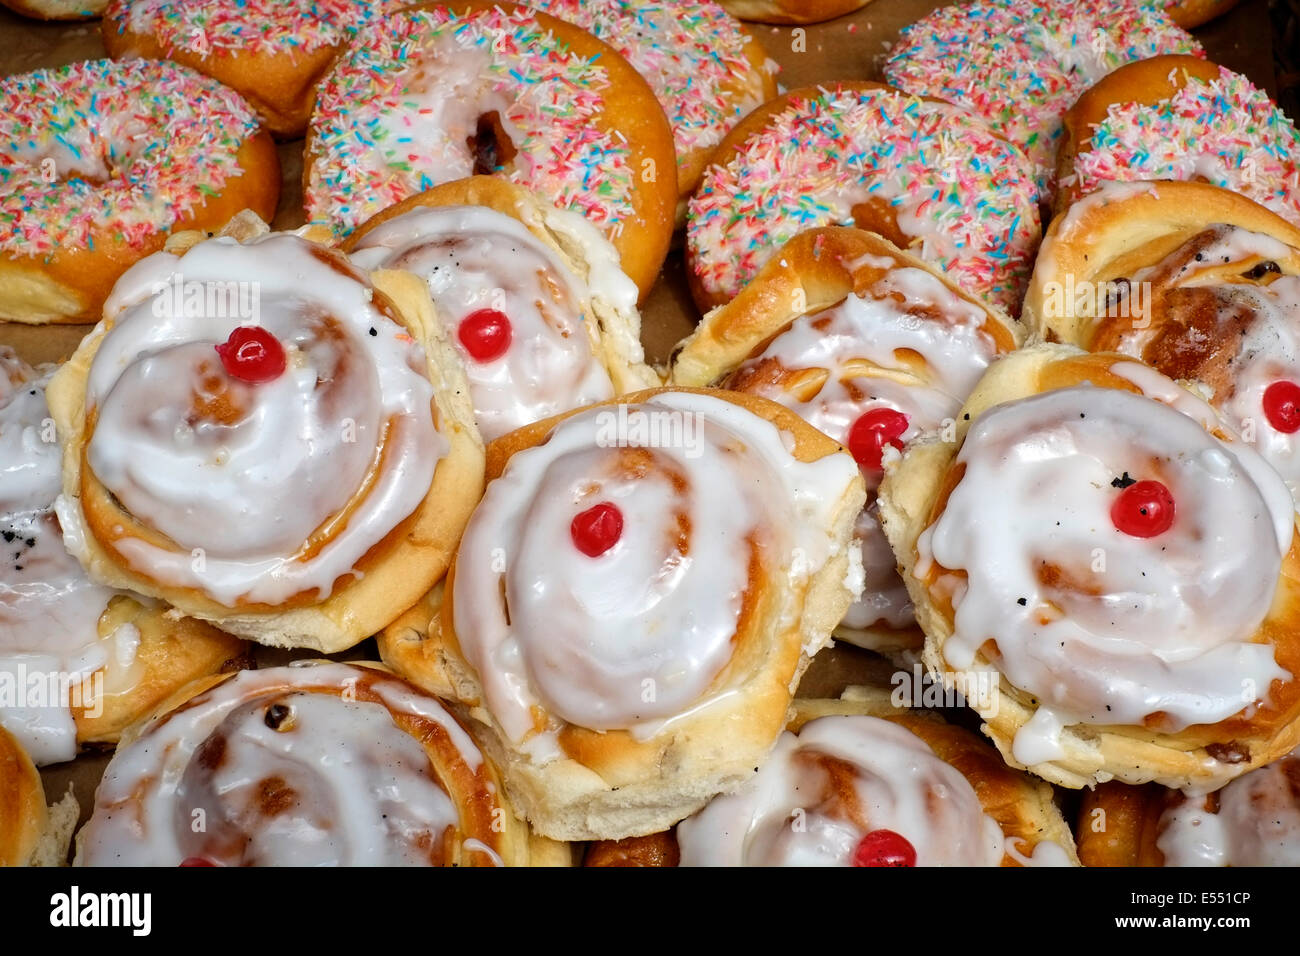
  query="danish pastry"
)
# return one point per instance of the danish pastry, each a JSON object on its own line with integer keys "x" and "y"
{"x": 871, "y": 346}
{"x": 100, "y": 161}
{"x": 82, "y": 661}
{"x": 856, "y": 782}
{"x": 312, "y": 764}
{"x": 437, "y": 93}
{"x": 1180, "y": 117}
{"x": 1102, "y": 543}
{"x": 635, "y": 600}
{"x": 1196, "y": 281}
{"x": 532, "y": 297}
{"x": 261, "y": 437}
{"x": 1253, "y": 821}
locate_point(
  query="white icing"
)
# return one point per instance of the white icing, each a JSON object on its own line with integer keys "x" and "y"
{"x": 1130, "y": 626}
{"x": 477, "y": 258}
{"x": 635, "y": 636}
{"x": 360, "y": 791}
{"x": 49, "y": 609}
{"x": 1257, "y": 823}
{"x": 791, "y": 812}
{"x": 240, "y": 498}
{"x": 868, "y": 348}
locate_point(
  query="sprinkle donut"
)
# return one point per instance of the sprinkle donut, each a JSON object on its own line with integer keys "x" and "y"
{"x": 56, "y": 9}
{"x": 706, "y": 69}
{"x": 427, "y": 96}
{"x": 99, "y": 161}
{"x": 1192, "y": 13}
{"x": 272, "y": 52}
{"x": 792, "y": 11}
{"x": 929, "y": 176}
{"x": 1179, "y": 117}
{"x": 1021, "y": 64}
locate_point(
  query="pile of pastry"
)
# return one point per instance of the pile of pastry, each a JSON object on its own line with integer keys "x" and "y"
{"x": 1048, "y": 475}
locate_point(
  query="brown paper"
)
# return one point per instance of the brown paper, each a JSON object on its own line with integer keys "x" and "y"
{"x": 851, "y": 47}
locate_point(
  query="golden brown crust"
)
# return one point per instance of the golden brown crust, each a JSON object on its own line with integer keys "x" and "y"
{"x": 912, "y": 498}
{"x": 1192, "y": 13}
{"x": 279, "y": 85}
{"x": 791, "y": 11}
{"x": 22, "y": 803}
{"x": 397, "y": 570}
{"x": 172, "y": 652}
{"x": 632, "y": 110}
{"x": 1142, "y": 82}
{"x": 652, "y": 850}
{"x": 610, "y": 785}
{"x": 1108, "y": 236}
{"x": 1119, "y": 824}
{"x": 71, "y": 284}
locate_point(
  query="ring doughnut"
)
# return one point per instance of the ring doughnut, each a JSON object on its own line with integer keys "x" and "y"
{"x": 100, "y": 160}
{"x": 791, "y": 11}
{"x": 1180, "y": 117}
{"x": 930, "y": 177}
{"x": 429, "y": 95}
{"x": 1020, "y": 64}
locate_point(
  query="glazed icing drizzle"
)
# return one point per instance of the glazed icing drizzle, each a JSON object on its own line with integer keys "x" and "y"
{"x": 1257, "y": 822}
{"x": 713, "y": 505}
{"x": 244, "y": 476}
{"x": 964, "y": 197}
{"x": 393, "y": 117}
{"x": 1099, "y": 626}
{"x": 825, "y": 788}
{"x": 133, "y": 146}
{"x": 49, "y": 609}
{"x": 688, "y": 52}
{"x": 865, "y": 349}
{"x": 285, "y": 770}
{"x": 1226, "y": 132}
{"x": 476, "y": 258}
{"x": 1020, "y": 65}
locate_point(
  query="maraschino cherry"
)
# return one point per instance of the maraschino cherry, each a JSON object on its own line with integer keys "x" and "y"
{"x": 253, "y": 355}
{"x": 197, "y": 861}
{"x": 1144, "y": 509}
{"x": 884, "y": 848}
{"x": 597, "y": 529}
{"x": 486, "y": 334}
{"x": 1282, "y": 406}
{"x": 874, "y": 430}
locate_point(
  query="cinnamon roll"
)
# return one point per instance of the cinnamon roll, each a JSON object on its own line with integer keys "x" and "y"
{"x": 871, "y": 346}
{"x": 31, "y": 834}
{"x": 532, "y": 297}
{"x": 78, "y": 661}
{"x": 1196, "y": 281}
{"x": 1102, "y": 544}
{"x": 1253, "y": 821}
{"x": 635, "y": 600}
{"x": 855, "y": 782}
{"x": 312, "y": 764}
{"x": 261, "y": 437}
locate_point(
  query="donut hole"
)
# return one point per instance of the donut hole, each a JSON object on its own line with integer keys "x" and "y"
{"x": 490, "y": 145}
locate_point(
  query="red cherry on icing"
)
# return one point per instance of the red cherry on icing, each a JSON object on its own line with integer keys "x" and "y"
{"x": 485, "y": 334}
{"x": 252, "y": 354}
{"x": 597, "y": 529}
{"x": 872, "y": 432}
{"x": 1282, "y": 406}
{"x": 1143, "y": 509}
{"x": 197, "y": 861}
{"x": 884, "y": 848}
